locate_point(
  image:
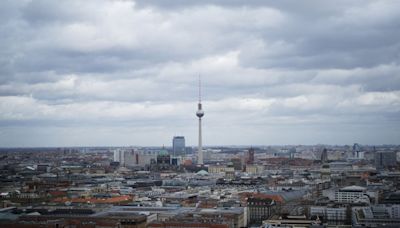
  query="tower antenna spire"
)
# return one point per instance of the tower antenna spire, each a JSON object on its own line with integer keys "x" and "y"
{"x": 199, "y": 88}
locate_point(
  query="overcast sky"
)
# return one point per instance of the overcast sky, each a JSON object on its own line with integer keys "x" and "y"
{"x": 98, "y": 72}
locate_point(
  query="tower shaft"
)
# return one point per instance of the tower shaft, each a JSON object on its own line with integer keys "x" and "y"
{"x": 200, "y": 114}
{"x": 200, "y": 148}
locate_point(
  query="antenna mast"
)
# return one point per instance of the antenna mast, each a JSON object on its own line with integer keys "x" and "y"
{"x": 199, "y": 88}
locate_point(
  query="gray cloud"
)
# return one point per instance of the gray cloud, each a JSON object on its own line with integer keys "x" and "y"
{"x": 125, "y": 72}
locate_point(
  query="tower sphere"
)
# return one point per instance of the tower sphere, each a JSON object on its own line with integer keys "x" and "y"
{"x": 200, "y": 113}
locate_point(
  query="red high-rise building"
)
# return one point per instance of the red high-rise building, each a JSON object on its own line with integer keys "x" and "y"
{"x": 250, "y": 156}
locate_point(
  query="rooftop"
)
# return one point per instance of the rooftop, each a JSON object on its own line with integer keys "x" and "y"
{"x": 353, "y": 188}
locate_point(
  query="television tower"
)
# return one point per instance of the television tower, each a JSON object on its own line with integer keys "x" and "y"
{"x": 200, "y": 114}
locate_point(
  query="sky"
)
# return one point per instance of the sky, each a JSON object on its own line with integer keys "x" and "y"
{"x": 121, "y": 73}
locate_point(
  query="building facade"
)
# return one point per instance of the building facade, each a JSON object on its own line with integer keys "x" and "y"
{"x": 259, "y": 209}
{"x": 385, "y": 159}
{"x": 374, "y": 216}
{"x": 350, "y": 194}
{"x": 178, "y": 145}
{"x": 334, "y": 215}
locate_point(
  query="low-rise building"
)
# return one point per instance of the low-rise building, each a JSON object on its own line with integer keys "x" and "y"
{"x": 259, "y": 209}
{"x": 332, "y": 214}
{"x": 254, "y": 169}
{"x": 291, "y": 221}
{"x": 220, "y": 169}
{"x": 350, "y": 194}
{"x": 375, "y": 216}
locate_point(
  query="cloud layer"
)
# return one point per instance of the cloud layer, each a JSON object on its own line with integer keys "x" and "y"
{"x": 103, "y": 72}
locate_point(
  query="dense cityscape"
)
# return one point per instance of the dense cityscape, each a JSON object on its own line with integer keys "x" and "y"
{"x": 271, "y": 186}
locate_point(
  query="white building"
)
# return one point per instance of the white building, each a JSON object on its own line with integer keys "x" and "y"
{"x": 145, "y": 157}
{"x": 335, "y": 214}
{"x": 130, "y": 157}
{"x": 351, "y": 194}
{"x": 134, "y": 157}
{"x": 119, "y": 156}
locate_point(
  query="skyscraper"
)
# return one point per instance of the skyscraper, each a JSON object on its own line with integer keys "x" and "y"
{"x": 324, "y": 155}
{"x": 178, "y": 145}
{"x": 119, "y": 156}
{"x": 385, "y": 159}
{"x": 250, "y": 156}
{"x": 126, "y": 157}
{"x": 200, "y": 114}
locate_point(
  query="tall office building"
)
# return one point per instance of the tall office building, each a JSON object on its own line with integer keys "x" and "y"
{"x": 200, "y": 114}
{"x": 385, "y": 159}
{"x": 126, "y": 157}
{"x": 119, "y": 156}
{"x": 250, "y": 156}
{"x": 324, "y": 155}
{"x": 130, "y": 158}
{"x": 178, "y": 145}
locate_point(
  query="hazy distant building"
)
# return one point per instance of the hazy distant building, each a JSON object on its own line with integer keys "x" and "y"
{"x": 292, "y": 152}
{"x": 125, "y": 157}
{"x": 237, "y": 164}
{"x": 207, "y": 155}
{"x": 178, "y": 145}
{"x": 119, "y": 156}
{"x": 357, "y": 152}
{"x": 324, "y": 155}
{"x": 250, "y": 156}
{"x": 385, "y": 159}
{"x": 131, "y": 157}
{"x": 282, "y": 153}
{"x": 145, "y": 157}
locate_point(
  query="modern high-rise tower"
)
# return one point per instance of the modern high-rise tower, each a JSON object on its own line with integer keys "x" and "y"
{"x": 178, "y": 145}
{"x": 250, "y": 156}
{"x": 200, "y": 114}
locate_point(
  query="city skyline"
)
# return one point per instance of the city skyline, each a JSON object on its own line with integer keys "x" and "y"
{"x": 273, "y": 73}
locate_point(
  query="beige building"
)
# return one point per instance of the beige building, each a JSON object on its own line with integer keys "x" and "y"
{"x": 220, "y": 169}
{"x": 254, "y": 169}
